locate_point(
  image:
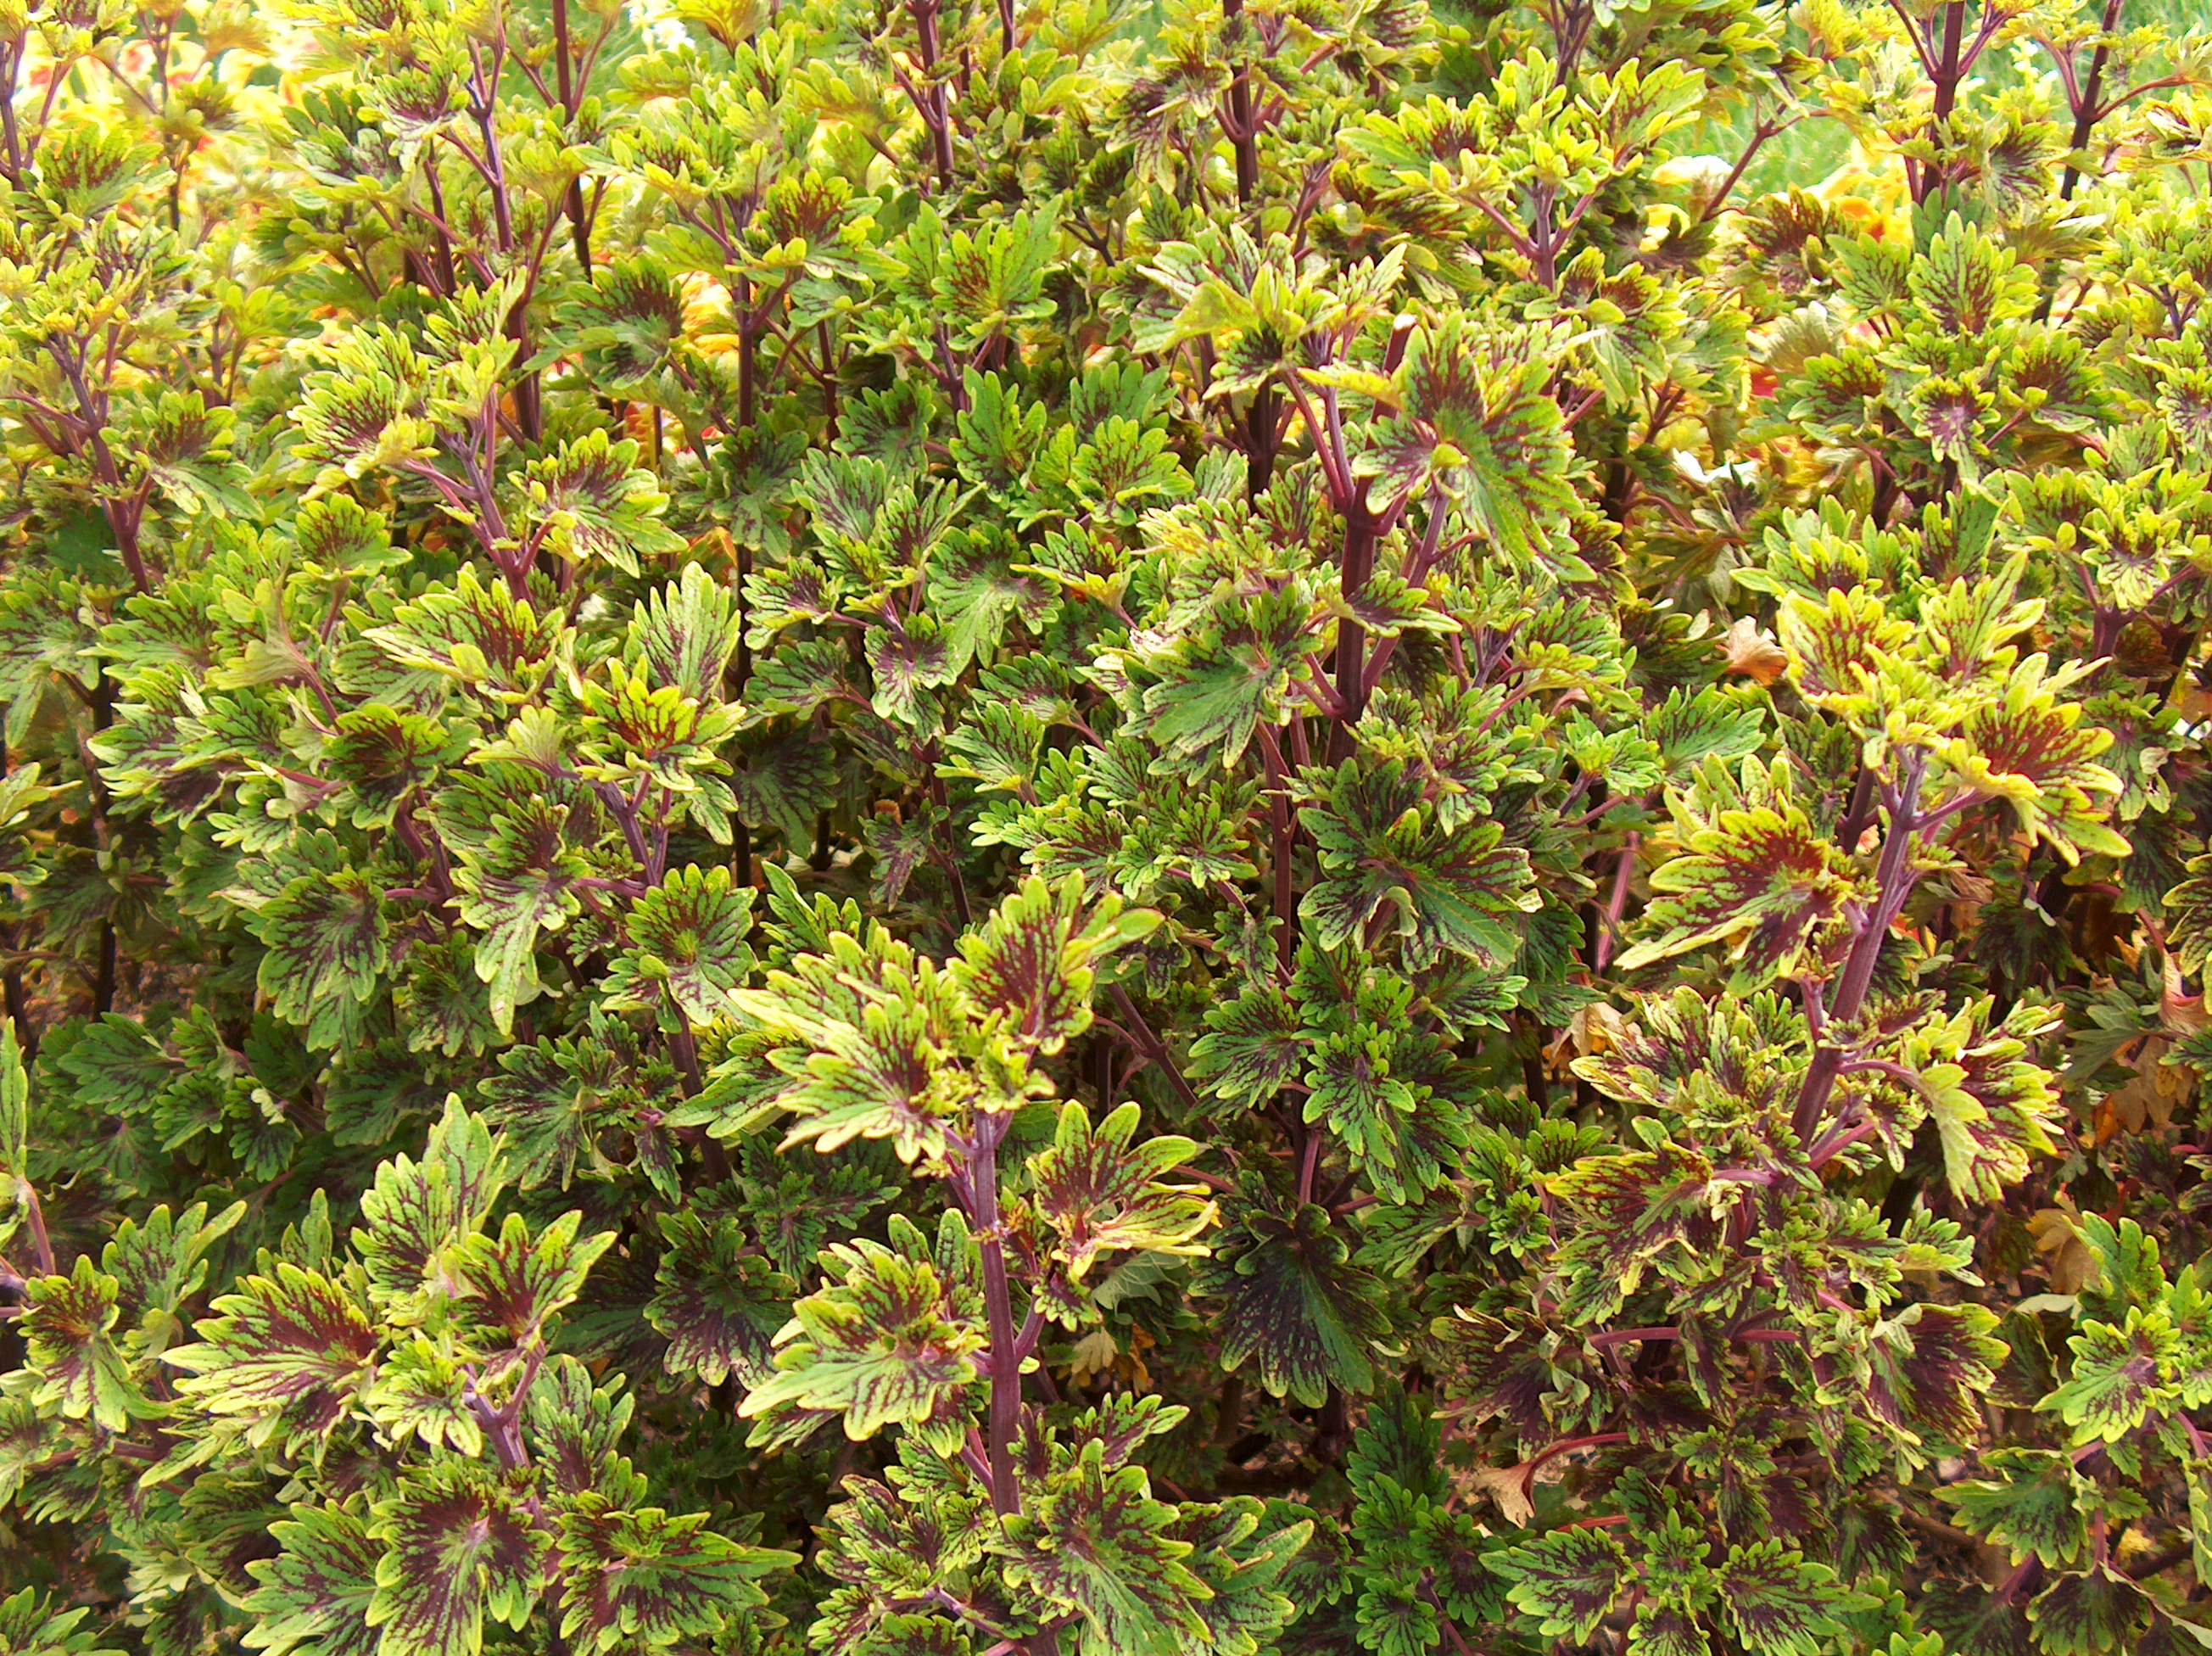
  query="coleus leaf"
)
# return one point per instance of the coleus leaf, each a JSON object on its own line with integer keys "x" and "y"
{"x": 2035, "y": 1510}
{"x": 1244, "y": 1570}
{"x": 626, "y": 320}
{"x": 547, "y": 1102}
{"x": 1969, "y": 280}
{"x": 364, "y": 415}
{"x": 1394, "y": 1619}
{"x": 1095, "y": 1542}
{"x": 1837, "y": 642}
{"x": 688, "y": 947}
{"x": 874, "y": 1027}
{"x": 594, "y": 502}
{"x": 157, "y": 1265}
{"x": 1030, "y": 965}
{"x": 293, "y": 1351}
{"x": 514, "y": 1282}
{"x": 489, "y": 642}
{"x": 900, "y": 1544}
{"x": 718, "y": 1301}
{"x": 1779, "y": 1604}
{"x": 68, "y": 1328}
{"x": 685, "y": 634}
{"x": 2032, "y": 751}
{"x": 1399, "y": 1439}
{"x": 414, "y": 1211}
{"x": 641, "y": 1580}
{"x": 441, "y": 1004}
{"x": 337, "y": 532}
{"x": 2086, "y": 1614}
{"x": 908, "y": 663}
{"x": 313, "y": 1596}
{"x": 1100, "y": 1193}
{"x": 1217, "y": 684}
{"x": 1375, "y": 1077}
{"x": 515, "y": 885}
{"x": 1253, "y": 1044}
{"x": 34, "y": 1624}
{"x": 1637, "y": 1209}
{"x": 573, "y": 1426}
{"x": 1713, "y": 724}
{"x": 1758, "y": 876}
{"x": 1931, "y": 1364}
{"x": 1386, "y": 867}
{"x": 423, "y": 1390}
{"x": 326, "y": 936}
{"x": 1993, "y": 1106}
{"x": 1968, "y": 1618}
{"x": 2120, "y": 1374}
{"x": 889, "y": 1338}
{"x": 383, "y": 755}
{"x": 1294, "y": 1301}
{"x": 1476, "y": 419}
{"x": 1569, "y": 1580}
{"x": 1666, "y": 1630}
{"x": 459, "y": 1545}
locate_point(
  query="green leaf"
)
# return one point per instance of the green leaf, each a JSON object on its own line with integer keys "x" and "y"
{"x": 641, "y": 1580}
{"x": 1779, "y": 1604}
{"x": 1754, "y": 873}
{"x": 1030, "y": 964}
{"x": 290, "y": 1353}
{"x": 35, "y": 1624}
{"x": 2035, "y": 1511}
{"x": 1932, "y": 1364}
{"x": 1095, "y": 1542}
{"x": 1294, "y": 1302}
{"x": 548, "y": 1101}
{"x": 594, "y": 502}
{"x": 68, "y": 1328}
{"x": 717, "y": 1301}
{"x": 477, "y": 635}
{"x": 514, "y": 1283}
{"x": 1477, "y": 420}
{"x": 459, "y": 1545}
{"x": 2120, "y": 1374}
{"x": 314, "y": 1595}
{"x": 687, "y": 948}
{"x": 1099, "y": 1194}
{"x": 1569, "y": 1580}
{"x": 1387, "y": 867}
{"x": 416, "y": 1211}
{"x": 1253, "y": 1045}
{"x": 890, "y": 1339}
{"x": 326, "y": 940}
{"x": 2086, "y": 1615}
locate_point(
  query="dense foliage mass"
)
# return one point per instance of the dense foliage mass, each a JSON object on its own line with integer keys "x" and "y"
{"x": 940, "y": 829}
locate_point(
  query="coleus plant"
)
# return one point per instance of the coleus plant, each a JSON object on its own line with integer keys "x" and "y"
{"x": 969, "y": 829}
